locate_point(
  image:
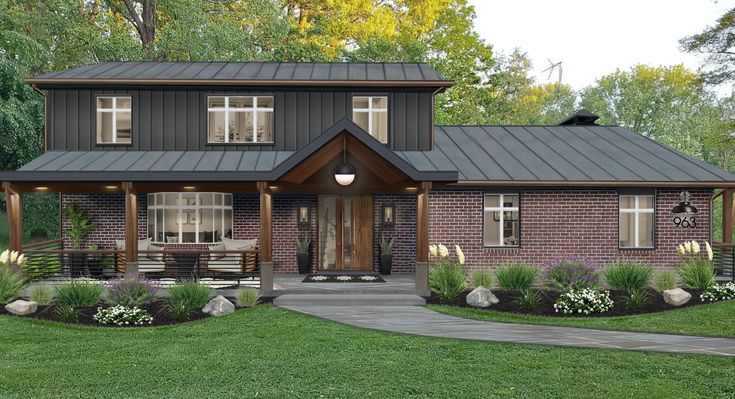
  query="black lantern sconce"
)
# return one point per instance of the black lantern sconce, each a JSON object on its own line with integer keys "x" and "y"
{"x": 303, "y": 217}
{"x": 388, "y": 216}
{"x": 684, "y": 208}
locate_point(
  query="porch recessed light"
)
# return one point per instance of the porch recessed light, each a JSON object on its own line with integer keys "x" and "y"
{"x": 189, "y": 188}
{"x": 42, "y": 188}
{"x": 111, "y": 187}
{"x": 411, "y": 188}
{"x": 273, "y": 187}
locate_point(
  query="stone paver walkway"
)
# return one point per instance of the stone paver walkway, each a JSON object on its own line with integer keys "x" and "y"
{"x": 418, "y": 320}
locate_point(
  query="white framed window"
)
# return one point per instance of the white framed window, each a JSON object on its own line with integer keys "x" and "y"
{"x": 114, "y": 119}
{"x": 240, "y": 119}
{"x": 636, "y": 223}
{"x": 189, "y": 218}
{"x": 501, "y": 220}
{"x": 371, "y": 114}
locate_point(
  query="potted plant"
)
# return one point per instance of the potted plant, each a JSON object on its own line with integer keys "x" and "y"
{"x": 94, "y": 262}
{"x": 80, "y": 227}
{"x": 386, "y": 255}
{"x": 302, "y": 253}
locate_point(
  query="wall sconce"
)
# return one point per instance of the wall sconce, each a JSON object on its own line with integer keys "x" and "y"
{"x": 388, "y": 215}
{"x": 303, "y": 217}
{"x": 684, "y": 207}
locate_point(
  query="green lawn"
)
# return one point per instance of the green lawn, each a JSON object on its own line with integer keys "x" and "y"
{"x": 273, "y": 353}
{"x": 716, "y": 319}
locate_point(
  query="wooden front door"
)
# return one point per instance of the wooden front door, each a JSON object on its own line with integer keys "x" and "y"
{"x": 345, "y": 239}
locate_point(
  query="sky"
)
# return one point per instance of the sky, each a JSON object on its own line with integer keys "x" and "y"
{"x": 593, "y": 38}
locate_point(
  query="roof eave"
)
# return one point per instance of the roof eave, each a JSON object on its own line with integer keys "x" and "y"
{"x": 47, "y": 82}
{"x": 596, "y": 183}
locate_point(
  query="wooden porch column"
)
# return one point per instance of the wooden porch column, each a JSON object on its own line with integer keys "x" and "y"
{"x": 14, "y": 204}
{"x": 131, "y": 224}
{"x": 728, "y": 215}
{"x": 422, "y": 239}
{"x": 266, "y": 222}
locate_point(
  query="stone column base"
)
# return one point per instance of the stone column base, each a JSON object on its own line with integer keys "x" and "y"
{"x": 422, "y": 279}
{"x": 266, "y": 278}
{"x": 131, "y": 268}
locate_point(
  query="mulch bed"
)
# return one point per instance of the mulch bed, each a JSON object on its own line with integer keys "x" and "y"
{"x": 509, "y": 303}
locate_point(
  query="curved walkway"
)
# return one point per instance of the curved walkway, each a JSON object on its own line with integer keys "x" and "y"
{"x": 418, "y": 320}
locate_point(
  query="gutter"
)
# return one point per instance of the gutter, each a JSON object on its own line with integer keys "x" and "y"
{"x": 242, "y": 82}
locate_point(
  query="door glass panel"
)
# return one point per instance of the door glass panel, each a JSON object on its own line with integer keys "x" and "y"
{"x": 327, "y": 232}
{"x": 347, "y": 233}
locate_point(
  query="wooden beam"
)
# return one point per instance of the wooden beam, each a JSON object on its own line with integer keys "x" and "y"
{"x": 266, "y": 222}
{"x": 131, "y": 222}
{"x": 728, "y": 215}
{"x": 14, "y": 205}
{"x": 316, "y": 161}
{"x": 422, "y": 222}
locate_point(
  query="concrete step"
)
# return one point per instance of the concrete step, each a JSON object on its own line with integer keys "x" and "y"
{"x": 348, "y": 300}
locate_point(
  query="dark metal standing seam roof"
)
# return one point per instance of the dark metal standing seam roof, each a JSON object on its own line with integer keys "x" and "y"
{"x": 548, "y": 155}
{"x": 251, "y": 72}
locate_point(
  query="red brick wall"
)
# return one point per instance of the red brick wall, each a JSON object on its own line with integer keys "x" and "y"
{"x": 285, "y": 231}
{"x": 561, "y": 223}
{"x": 404, "y": 232}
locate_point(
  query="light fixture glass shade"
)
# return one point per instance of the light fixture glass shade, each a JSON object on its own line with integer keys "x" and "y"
{"x": 344, "y": 175}
{"x": 684, "y": 208}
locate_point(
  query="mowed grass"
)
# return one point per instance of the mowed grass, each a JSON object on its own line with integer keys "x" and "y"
{"x": 273, "y": 353}
{"x": 715, "y": 319}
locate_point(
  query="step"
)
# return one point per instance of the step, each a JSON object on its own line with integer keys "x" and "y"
{"x": 348, "y": 300}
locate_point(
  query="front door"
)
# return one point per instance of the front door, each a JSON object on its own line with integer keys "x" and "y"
{"x": 345, "y": 232}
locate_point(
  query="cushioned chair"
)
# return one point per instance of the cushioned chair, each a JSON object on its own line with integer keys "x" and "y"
{"x": 233, "y": 263}
{"x": 147, "y": 263}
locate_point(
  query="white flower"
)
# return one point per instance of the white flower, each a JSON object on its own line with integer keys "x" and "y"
{"x": 4, "y": 257}
{"x": 443, "y": 251}
{"x": 460, "y": 254}
{"x": 21, "y": 260}
{"x": 344, "y": 278}
{"x": 13, "y": 256}
{"x": 432, "y": 250}
{"x": 710, "y": 255}
{"x": 695, "y": 247}
{"x": 688, "y": 247}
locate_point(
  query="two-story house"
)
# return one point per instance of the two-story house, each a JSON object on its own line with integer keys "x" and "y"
{"x": 205, "y": 156}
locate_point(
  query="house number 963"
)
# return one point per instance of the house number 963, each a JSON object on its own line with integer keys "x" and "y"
{"x": 685, "y": 222}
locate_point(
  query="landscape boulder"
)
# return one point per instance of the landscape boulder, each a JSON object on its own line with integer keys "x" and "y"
{"x": 21, "y": 307}
{"x": 218, "y": 306}
{"x": 481, "y": 297}
{"x": 677, "y": 297}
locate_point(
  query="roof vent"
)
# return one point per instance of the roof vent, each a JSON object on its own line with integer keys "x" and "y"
{"x": 581, "y": 117}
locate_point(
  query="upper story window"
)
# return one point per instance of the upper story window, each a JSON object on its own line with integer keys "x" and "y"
{"x": 636, "y": 221}
{"x": 240, "y": 119}
{"x": 114, "y": 120}
{"x": 502, "y": 222}
{"x": 371, "y": 114}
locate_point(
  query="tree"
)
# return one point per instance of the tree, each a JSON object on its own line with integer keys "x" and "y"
{"x": 668, "y": 104}
{"x": 718, "y": 42}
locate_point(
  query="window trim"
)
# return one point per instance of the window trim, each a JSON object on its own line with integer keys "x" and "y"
{"x": 637, "y": 211}
{"x": 501, "y": 209}
{"x": 254, "y": 109}
{"x": 370, "y": 110}
{"x": 179, "y": 207}
{"x": 114, "y": 110}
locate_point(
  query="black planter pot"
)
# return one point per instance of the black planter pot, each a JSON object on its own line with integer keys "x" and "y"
{"x": 303, "y": 261}
{"x": 94, "y": 266}
{"x": 386, "y": 264}
{"x": 78, "y": 266}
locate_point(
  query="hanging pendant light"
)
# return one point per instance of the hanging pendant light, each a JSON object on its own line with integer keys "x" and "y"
{"x": 684, "y": 207}
{"x": 344, "y": 174}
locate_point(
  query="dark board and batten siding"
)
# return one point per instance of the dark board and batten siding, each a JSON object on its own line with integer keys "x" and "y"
{"x": 176, "y": 118}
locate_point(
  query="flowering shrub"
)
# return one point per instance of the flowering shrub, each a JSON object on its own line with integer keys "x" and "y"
{"x": 696, "y": 269}
{"x": 585, "y": 301}
{"x": 123, "y": 316}
{"x": 570, "y": 274}
{"x": 719, "y": 292}
{"x": 131, "y": 290}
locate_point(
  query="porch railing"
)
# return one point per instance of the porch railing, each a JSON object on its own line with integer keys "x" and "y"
{"x": 724, "y": 260}
{"x": 49, "y": 260}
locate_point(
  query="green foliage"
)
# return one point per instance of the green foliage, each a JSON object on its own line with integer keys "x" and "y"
{"x": 481, "y": 278}
{"x": 44, "y": 207}
{"x": 570, "y": 274}
{"x": 717, "y": 42}
{"x": 515, "y": 276}
{"x": 447, "y": 280}
{"x": 131, "y": 291}
{"x": 636, "y": 300}
{"x": 78, "y": 293}
{"x": 247, "y": 297}
{"x": 529, "y": 300}
{"x": 12, "y": 283}
{"x": 629, "y": 276}
{"x": 80, "y": 225}
{"x": 42, "y": 294}
{"x": 386, "y": 245}
{"x": 187, "y": 296}
{"x": 67, "y": 313}
{"x": 664, "y": 280}
{"x": 697, "y": 272}
{"x": 302, "y": 244}
{"x": 39, "y": 268}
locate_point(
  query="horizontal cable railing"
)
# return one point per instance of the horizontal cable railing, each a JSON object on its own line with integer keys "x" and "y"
{"x": 724, "y": 260}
